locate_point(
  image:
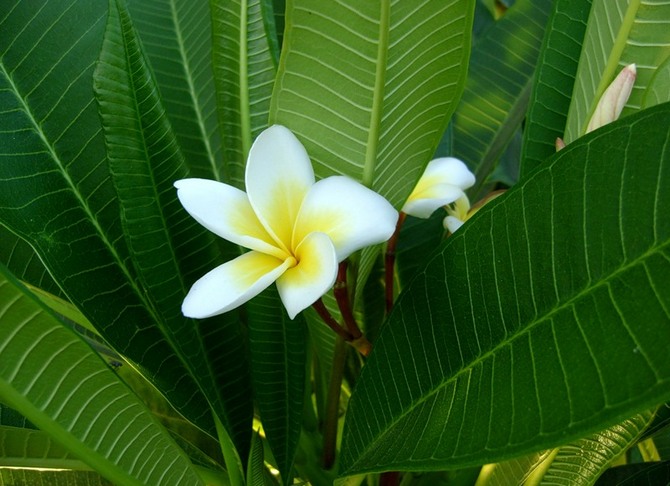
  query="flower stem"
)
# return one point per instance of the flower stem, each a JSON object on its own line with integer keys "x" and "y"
{"x": 332, "y": 414}
{"x": 342, "y": 296}
{"x": 389, "y": 262}
{"x": 320, "y": 308}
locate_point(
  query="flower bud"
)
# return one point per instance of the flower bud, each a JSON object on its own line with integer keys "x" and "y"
{"x": 613, "y": 99}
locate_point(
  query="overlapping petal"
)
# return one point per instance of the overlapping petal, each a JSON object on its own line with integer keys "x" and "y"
{"x": 352, "y": 215}
{"x": 444, "y": 181}
{"x": 225, "y": 211}
{"x": 232, "y": 284}
{"x": 313, "y": 275}
{"x": 278, "y": 176}
{"x": 614, "y": 99}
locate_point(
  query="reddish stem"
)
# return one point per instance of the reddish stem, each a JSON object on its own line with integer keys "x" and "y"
{"x": 342, "y": 296}
{"x": 320, "y": 308}
{"x": 389, "y": 262}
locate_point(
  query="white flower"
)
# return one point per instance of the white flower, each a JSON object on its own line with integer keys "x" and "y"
{"x": 457, "y": 214}
{"x": 298, "y": 230}
{"x": 443, "y": 182}
{"x": 613, "y": 99}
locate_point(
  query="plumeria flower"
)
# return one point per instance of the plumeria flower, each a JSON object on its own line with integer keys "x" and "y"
{"x": 298, "y": 230}
{"x": 613, "y": 99}
{"x": 443, "y": 182}
{"x": 460, "y": 211}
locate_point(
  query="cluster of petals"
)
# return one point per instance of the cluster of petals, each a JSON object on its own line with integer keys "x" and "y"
{"x": 297, "y": 229}
{"x": 443, "y": 182}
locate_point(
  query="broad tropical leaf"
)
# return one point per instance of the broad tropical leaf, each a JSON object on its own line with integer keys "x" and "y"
{"x": 658, "y": 90}
{"x": 369, "y": 87}
{"x": 168, "y": 248}
{"x": 554, "y": 81}
{"x": 55, "y": 188}
{"x": 619, "y": 32}
{"x": 244, "y": 69}
{"x": 177, "y": 38}
{"x": 497, "y": 89}
{"x": 537, "y": 322}
{"x": 60, "y": 384}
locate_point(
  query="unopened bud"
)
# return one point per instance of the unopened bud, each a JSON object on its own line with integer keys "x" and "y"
{"x": 613, "y": 99}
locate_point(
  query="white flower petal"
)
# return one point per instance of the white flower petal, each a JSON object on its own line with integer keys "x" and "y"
{"x": 352, "y": 215}
{"x": 614, "y": 99}
{"x": 225, "y": 211}
{"x": 278, "y": 175}
{"x": 315, "y": 273}
{"x": 452, "y": 223}
{"x": 232, "y": 284}
{"x": 446, "y": 170}
{"x": 423, "y": 204}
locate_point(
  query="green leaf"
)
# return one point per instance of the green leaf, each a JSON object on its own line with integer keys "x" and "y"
{"x": 497, "y": 89}
{"x": 55, "y": 188}
{"x": 244, "y": 70}
{"x": 257, "y": 473}
{"x": 515, "y": 471}
{"x": 71, "y": 478}
{"x": 60, "y": 384}
{"x": 554, "y": 81}
{"x": 583, "y": 461}
{"x": 24, "y": 448}
{"x": 537, "y": 322}
{"x": 177, "y": 39}
{"x": 619, "y": 32}
{"x": 369, "y": 87}
{"x": 658, "y": 90}
{"x": 278, "y": 363}
{"x": 168, "y": 247}
{"x": 17, "y": 255}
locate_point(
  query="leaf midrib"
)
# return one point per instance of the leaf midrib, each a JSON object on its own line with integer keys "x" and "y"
{"x": 566, "y": 304}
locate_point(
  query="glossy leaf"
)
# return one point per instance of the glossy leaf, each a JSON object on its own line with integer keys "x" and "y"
{"x": 177, "y": 39}
{"x": 168, "y": 247}
{"x": 278, "y": 363}
{"x": 537, "y": 322}
{"x": 60, "y": 384}
{"x": 583, "y": 461}
{"x": 554, "y": 81}
{"x": 498, "y": 86}
{"x": 24, "y": 448}
{"x": 244, "y": 70}
{"x": 658, "y": 90}
{"x": 619, "y": 32}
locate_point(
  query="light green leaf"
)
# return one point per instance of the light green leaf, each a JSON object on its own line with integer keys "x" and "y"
{"x": 244, "y": 70}
{"x": 168, "y": 247}
{"x": 278, "y": 363}
{"x": 554, "y": 81}
{"x": 70, "y": 478}
{"x": 537, "y": 322}
{"x": 497, "y": 89}
{"x": 619, "y": 32}
{"x": 369, "y": 87}
{"x": 515, "y": 471}
{"x": 583, "y": 461}
{"x": 60, "y": 384}
{"x": 55, "y": 188}
{"x": 658, "y": 90}
{"x": 177, "y": 39}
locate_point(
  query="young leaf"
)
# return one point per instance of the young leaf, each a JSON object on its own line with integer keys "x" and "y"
{"x": 168, "y": 248}
{"x": 60, "y": 384}
{"x": 496, "y": 92}
{"x": 554, "y": 81}
{"x": 55, "y": 188}
{"x": 177, "y": 38}
{"x": 537, "y": 322}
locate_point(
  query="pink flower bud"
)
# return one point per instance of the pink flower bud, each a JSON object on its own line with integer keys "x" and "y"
{"x": 613, "y": 99}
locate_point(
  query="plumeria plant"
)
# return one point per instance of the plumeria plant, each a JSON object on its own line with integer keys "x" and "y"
{"x": 270, "y": 242}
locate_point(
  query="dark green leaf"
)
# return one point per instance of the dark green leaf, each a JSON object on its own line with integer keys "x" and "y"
{"x": 55, "y": 188}
{"x": 554, "y": 81}
{"x": 538, "y": 322}
{"x": 498, "y": 86}
{"x": 646, "y": 474}
{"x": 164, "y": 241}
{"x": 177, "y": 39}
{"x": 278, "y": 364}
